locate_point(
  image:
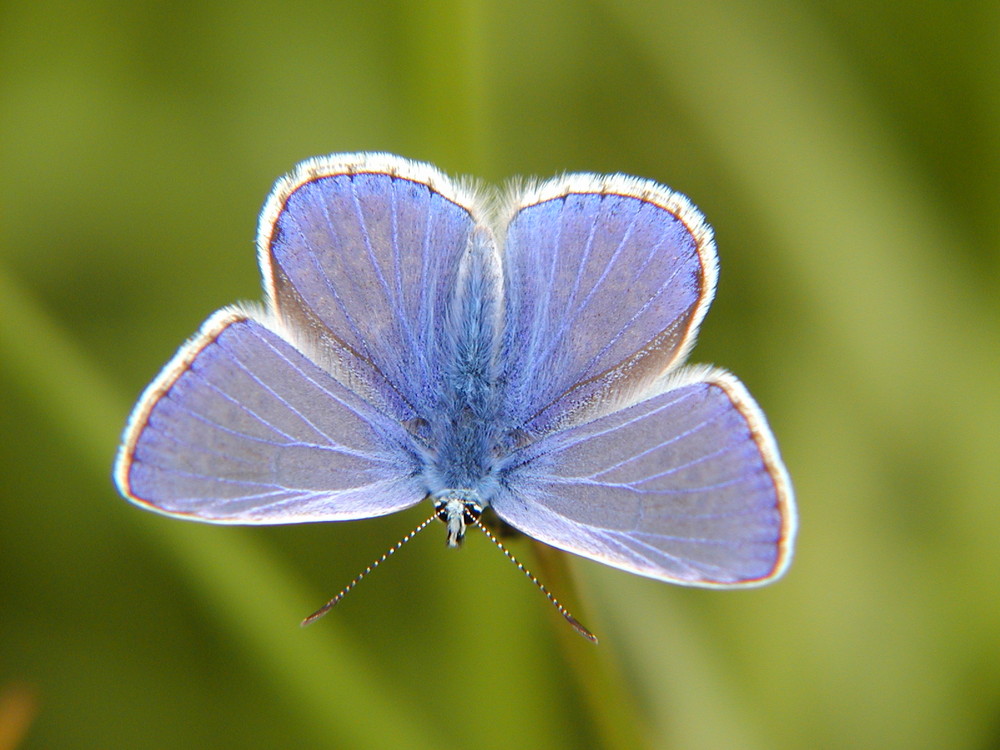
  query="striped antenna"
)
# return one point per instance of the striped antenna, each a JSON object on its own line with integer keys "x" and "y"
{"x": 541, "y": 587}
{"x": 385, "y": 556}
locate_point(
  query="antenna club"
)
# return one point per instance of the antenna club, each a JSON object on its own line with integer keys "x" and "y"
{"x": 577, "y": 625}
{"x": 385, "y": 556}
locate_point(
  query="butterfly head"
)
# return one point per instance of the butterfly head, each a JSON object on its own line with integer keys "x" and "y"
{"x": 458, "y": 509}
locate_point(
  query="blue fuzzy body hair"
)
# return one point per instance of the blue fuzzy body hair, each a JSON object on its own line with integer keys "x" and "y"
{"x": 466, "y": 428}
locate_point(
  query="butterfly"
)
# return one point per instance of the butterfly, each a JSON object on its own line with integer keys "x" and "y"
{"x": 523, "y": 352}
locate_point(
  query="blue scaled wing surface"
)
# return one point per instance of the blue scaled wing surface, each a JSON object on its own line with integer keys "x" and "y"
{"x": 298, "y": 412}
{"x": 241, "y": 427}
{"x": 631, "y": 459}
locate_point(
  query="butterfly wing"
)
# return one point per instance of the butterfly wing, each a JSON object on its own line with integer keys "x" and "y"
{"x": 686, "y": 486}
{"x": 359, "y": 253}
{"x": 607, "y": 279}
{"x": 665, "y": 472}
{"x": 241, "y": 427}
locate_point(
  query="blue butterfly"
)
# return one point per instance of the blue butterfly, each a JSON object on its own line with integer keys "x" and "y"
{"x": 524, "y": 353}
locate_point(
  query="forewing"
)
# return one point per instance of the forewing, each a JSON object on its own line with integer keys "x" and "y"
{"x": 240, "y": 427}
{"x": 686, "y": 486}
{"x": 607, "y": 279}
{"x": 359, "y": 253}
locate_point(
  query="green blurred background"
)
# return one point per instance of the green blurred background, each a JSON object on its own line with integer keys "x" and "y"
{"x": 847, "y": 154}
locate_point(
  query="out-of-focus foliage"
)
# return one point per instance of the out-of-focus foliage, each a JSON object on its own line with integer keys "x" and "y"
{"x": 847, "y": 155}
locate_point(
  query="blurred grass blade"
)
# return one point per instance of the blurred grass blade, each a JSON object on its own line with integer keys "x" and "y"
{"x": 319, "y": 672}
{"x": 827, "y": 175}
{"x": 892, "y": 339}
{"x": 692, "y": 698}
{"x": 18, "y": 709}
{"x": 447, "y": 44}
{"x": 611, "y": 705}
